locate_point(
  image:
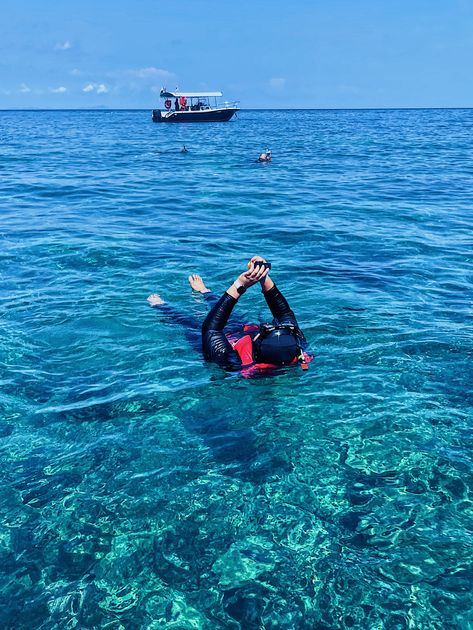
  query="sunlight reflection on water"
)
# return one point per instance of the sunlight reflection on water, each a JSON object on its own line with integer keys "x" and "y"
{"x": 145, "y": 489}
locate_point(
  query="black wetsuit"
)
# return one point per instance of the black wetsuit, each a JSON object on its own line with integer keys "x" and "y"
{"x": 215, "y": 344}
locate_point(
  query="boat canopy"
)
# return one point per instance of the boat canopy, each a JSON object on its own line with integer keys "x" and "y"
{"x": 165, "y": 94}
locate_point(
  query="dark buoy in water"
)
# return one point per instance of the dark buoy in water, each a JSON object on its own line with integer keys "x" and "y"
{"x": 184, "y": 150}
{"x": 265, "y": 156}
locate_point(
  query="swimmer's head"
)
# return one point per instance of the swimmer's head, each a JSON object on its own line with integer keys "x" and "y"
{"x": 277, "y": 345}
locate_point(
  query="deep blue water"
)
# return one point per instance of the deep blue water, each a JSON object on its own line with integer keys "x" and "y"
{"x": 143, "y": 488}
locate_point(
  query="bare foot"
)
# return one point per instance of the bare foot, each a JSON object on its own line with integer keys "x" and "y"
{"x": 155, "y": 300}
{"x": 197, "y": 283}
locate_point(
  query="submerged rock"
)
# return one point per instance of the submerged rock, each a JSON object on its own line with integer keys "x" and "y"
{"x": 243, "y": 562}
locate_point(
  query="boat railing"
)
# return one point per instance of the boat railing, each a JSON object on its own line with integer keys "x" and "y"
{"x": 228, "y": 105}
{"x": 206, "y": 106}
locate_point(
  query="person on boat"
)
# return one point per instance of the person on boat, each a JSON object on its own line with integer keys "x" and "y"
{"x": 176, "y": 104}
{"x": 265, "y": 156}
{"x": 248, "y": 348}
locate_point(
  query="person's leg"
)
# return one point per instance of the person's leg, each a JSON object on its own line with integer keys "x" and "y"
{"x": 192, "y": 326}
{"x": 198, "y": 285}
{"x": 155, "y": 300}
{"x": 210, "y": 298}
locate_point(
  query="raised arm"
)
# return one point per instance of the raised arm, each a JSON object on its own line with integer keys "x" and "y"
{"x": 215, "y": 344}
{"x": 278, "y": 305}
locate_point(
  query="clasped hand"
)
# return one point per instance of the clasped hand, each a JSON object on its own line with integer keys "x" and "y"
{"x": 255, "y": 273}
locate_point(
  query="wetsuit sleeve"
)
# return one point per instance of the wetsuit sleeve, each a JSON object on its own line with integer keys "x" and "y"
{"x": 215, "y": 344}
{"x": 279, "y": 307}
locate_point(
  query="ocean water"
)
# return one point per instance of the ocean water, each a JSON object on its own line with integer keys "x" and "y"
{"x": 143, "y": 488}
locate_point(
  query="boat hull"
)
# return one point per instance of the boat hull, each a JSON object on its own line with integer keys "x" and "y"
{"x": 205, "y": 115}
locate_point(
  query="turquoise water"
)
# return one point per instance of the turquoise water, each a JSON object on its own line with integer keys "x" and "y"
{"x": 143, "y": 488}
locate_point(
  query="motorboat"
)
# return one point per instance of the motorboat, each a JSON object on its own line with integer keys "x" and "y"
{"x": 182, "y": 107}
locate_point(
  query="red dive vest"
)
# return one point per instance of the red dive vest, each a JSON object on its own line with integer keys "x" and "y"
{"x": 244, "y": 347}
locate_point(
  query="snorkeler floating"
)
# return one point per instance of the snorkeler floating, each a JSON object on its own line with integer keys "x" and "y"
{"x": 251, "y": 347}
{"x": 265, "y": 156}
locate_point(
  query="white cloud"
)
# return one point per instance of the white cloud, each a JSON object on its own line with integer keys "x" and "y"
{"x": 98, "y": 88}
{"x": 58, "y": 90}
{"x": 150, "y": 73}
{"x": 134, "y": 80}
{"x": 277, "y": 83}
{"x": 24, "y": 89}
{"x": 63, "y": 45}
{"x": 76, "y": 72}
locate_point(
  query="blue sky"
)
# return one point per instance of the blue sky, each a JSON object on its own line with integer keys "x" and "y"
{"x": 266, "y": 53}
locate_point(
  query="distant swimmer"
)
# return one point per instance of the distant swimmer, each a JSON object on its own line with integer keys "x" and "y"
{"x": 265, "y": 156}
{"x": 184, "y": 150}
{"x": 247, "y": 348}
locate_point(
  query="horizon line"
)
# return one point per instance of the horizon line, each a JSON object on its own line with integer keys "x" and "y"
{"x": 146, "y": 109}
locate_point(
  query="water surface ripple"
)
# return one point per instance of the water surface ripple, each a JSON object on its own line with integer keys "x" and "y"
{"x": 144, "y": 489}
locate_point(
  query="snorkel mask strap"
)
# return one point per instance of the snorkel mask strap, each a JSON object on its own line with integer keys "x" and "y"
{"x": 301, "y": 360}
